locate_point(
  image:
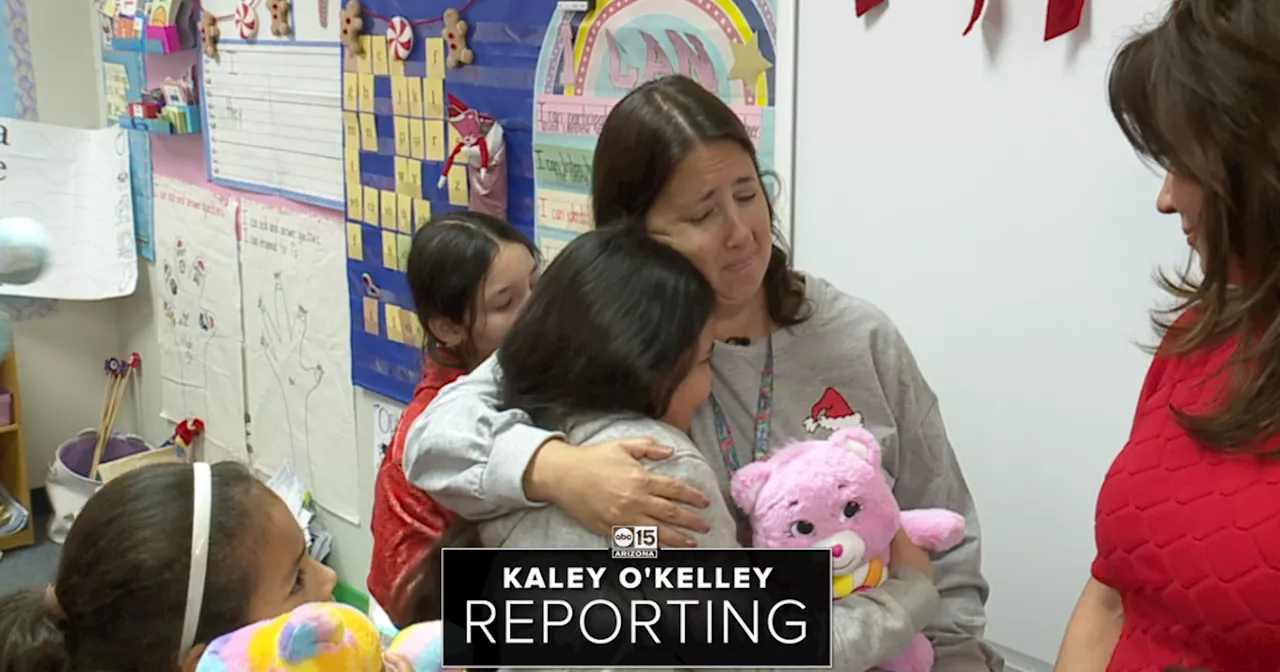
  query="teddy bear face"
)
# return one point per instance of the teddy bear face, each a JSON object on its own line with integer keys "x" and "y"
{"x": 821, "y": 494}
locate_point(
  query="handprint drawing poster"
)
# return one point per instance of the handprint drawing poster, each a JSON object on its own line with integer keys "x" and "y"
{"x": 298, "y": 351}
{"x": 195, "y": 290}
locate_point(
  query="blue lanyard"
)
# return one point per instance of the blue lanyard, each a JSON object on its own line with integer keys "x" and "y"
{"x": 764, "y": 417}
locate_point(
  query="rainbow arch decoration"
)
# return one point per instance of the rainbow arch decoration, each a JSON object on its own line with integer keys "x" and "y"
{"x": 737, "y": 49}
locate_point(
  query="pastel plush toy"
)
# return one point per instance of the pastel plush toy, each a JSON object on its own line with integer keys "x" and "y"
{"x": 24, "y": 253}
{"x": 321, "y": 637}
{"x": 832, "y": 494}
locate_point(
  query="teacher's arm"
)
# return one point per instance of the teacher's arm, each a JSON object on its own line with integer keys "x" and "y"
{"x": 1093, "y": 631}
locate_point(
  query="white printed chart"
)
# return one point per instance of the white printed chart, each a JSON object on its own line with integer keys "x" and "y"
{"x": 386, "y": 419}
{"x": 274, "y": 120}
{"x": 298, "y": 351}
{"x": 76, "y": 184}
{"x": 195, "y": 290}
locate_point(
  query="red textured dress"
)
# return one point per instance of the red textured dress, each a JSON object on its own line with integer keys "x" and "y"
{"x": 1190, "y": 537}
{"x": 406, "y": 520}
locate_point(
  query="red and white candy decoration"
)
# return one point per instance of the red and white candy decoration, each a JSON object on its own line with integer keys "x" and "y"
{"x": 246, "y": 20}
{"x": 399, "y": 38}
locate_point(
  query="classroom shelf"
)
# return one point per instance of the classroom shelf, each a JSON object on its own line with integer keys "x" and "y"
{"x": 158, "y": 41}
{"x": 155, "y": 126}
{"x": 13, "y": 457}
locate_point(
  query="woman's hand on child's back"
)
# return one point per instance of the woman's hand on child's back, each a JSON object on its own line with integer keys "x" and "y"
{"x": 605, "y": 485}
{"x": 907, "y": 554}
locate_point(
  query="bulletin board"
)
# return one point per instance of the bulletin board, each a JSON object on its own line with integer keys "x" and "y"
{"x": 395, "y": 151}
{"x": 549, "y": 77}
{"x": 741, "y": 50}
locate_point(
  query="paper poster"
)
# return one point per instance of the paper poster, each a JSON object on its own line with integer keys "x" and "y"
{"x": 386, "y": 418}
{"x": 116, "y": 83}
{"x": 397, "y": 133}
{"x": 737, "y": 49}
{"x": 18, "y": 100}
{"x": 124, "y": 77}
{"x": 195, "y": 296}
{"x": 297, "y": 352}
{"x": 76, "y": 183}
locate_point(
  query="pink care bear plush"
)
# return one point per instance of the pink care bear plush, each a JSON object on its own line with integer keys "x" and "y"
{"x": 832, "y": 494}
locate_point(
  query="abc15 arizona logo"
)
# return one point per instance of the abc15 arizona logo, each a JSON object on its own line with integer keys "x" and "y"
{"x": 634, "y": 541}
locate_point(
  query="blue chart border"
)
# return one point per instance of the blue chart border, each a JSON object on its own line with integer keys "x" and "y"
{"x": 208, "y": 139}
{"x": 135, "y": 64}
{"x": 506, "y": 36}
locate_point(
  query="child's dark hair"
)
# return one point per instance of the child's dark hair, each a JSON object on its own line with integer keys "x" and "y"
{"x": 612, "y": 327}
{"x": 121, "y": 588}
{"x": 448, "y": 262}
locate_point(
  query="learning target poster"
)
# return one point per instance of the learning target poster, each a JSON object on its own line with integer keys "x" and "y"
{"x": 741, "y": 50}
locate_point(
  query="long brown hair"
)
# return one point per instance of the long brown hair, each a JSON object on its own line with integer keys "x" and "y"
{"x": 1199, "y": 94}
{"x": 646, "y": 135}
{"x": 121, "y": 583}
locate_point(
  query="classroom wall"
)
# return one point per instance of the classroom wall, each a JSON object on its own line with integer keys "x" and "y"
{"x": 60, "y": 357}
{"x": 978, "y": 191}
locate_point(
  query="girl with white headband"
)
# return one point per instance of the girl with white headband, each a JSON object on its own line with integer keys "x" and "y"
{"x": 160, "y": 562}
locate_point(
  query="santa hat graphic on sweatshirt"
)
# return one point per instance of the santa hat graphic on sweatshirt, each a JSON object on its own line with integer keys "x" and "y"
{"x": 832, "y": 412}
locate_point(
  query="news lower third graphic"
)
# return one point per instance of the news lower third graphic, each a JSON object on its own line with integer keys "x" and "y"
{"x": 687, "y": 608}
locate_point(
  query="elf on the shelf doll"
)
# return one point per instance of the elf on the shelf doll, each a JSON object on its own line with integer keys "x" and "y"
{"x": 481, "y": 145}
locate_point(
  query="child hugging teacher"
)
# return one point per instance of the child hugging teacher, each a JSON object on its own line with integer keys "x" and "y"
{"x": 794, "y": 358}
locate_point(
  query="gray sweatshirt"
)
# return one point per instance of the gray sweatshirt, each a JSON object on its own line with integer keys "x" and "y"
{"x": 867, "y": 628}
{"x": 847, "y": 365}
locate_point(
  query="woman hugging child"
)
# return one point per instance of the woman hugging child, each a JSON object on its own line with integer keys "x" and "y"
{"x": 469, "y": 274}
{"x": 129, "y": 595}
{"x": 616, "y": 342}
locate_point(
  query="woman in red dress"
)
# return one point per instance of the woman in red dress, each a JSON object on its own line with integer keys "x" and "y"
{"x": 1187, "y": 572}
{"x": 469, "y": 274}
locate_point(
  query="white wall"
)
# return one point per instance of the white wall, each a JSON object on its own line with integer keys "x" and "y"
{"x": 979, "y": 192}
{"x": 60, "y": 357}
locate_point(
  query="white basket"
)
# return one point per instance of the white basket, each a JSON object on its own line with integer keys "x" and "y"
{"x": 68, "y": 488}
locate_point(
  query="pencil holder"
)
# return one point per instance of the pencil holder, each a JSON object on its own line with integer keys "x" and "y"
{"x": 68, "y": 484}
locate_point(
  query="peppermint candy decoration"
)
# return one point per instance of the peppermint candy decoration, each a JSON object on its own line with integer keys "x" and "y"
{"x": 246, "y": 20}
{"x": 399, "y": 38}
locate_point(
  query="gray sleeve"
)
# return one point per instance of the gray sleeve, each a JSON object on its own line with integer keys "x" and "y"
{"x": 467, "y": 454}
{"x": 931, "y": 477}
{"x": 868, "y": 627}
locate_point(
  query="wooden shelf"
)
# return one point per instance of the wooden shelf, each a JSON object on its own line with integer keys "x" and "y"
{"x": 13, "y": 458}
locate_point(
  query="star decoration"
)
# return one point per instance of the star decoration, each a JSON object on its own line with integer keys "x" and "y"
{"x": 748, "y": 62}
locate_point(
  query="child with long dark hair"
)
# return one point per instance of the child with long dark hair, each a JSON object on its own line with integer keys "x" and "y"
{"x": 616, "y": 342}
{"x": 130, "y": 595}
{"x": 469, "y": 274}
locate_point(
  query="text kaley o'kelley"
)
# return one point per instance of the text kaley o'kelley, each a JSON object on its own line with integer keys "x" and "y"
{"x": 743, "y": 602}
{"x": 661, "y": 578}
